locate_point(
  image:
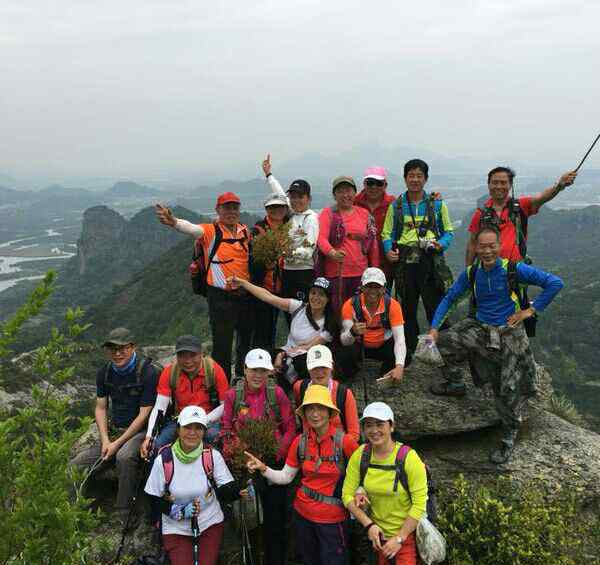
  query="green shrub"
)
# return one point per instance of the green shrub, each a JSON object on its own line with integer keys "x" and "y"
{"x": 508, "y": 523}
{"x": 42, "y": 518}
{"x": 562, "y": 407}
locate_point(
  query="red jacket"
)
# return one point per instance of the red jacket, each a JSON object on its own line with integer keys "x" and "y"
{"x": 379, "y": 212}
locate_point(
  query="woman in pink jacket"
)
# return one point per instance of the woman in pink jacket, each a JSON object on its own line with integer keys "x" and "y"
{"x": 347, "y": 242}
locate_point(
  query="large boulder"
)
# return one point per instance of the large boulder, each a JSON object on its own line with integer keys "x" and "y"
{"x": 419, "y": 413}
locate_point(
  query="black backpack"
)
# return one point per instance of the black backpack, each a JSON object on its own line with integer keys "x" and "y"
{"x": 489, "y": 218}
{"x": 200, "y": 264}
{"x": 136, "y": 388}
{"x": 401, "y": 476}
{"x": 513, "y": 287}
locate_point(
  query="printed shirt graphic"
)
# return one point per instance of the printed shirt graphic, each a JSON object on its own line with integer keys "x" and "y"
{"x": 509, "y": 248}
{"x": 236, "y": 255}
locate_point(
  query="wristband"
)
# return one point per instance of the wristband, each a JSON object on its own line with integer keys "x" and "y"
{"x": 369, "y": 526}
{"x": 268, "y": 175}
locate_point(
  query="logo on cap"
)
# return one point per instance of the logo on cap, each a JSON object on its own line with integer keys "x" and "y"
{"x": 317, "y": 354}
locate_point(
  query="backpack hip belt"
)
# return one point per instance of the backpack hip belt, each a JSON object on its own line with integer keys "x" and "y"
{"x": 320, "y": 497}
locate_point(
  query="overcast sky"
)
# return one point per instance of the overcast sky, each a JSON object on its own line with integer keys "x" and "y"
{"x": 148, "y": 87}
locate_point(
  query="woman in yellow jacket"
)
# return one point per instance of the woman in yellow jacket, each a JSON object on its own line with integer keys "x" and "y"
{"x": 375, "y": 477}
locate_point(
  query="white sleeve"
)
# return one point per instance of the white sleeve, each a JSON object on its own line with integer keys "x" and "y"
{"x": 346, "y": 337}
{"x": 188, "y": 228}
{"x": 276, "y": 187}
{"x": 155, "y": 485}
{"x": 162, "y": 403}
{"x": 293, "y": 305}
{"x": 399, "y": 344}
{"x": 283, "y": 477}
{"x": 221, "y": 472}
{"x": 216, "y": 414}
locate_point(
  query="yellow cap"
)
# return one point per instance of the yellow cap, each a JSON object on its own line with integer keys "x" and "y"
{"x": 317, "y": 394}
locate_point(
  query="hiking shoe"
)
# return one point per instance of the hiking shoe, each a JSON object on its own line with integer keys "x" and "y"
{"x": 448, "y": 389}
{"x": 502, "y": 454}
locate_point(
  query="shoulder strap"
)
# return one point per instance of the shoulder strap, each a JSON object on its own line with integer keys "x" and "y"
{"x": 239, "y": 397}
{"x": 401, "y": 475}
{"x": 297, "y": 311}
{"x": 209, "y": 465}
{"x": 140, "y": 366}
{"x": 358, "y": 311}
{"x": 365, "y": 458}
{"x": 385, "y": 317}
{"x": 340, "y": 402}
{"x": 431, "y": 215}
{"x": 514, "y": 286}
{"x": 519, "y": 220}
{"x": 471, "y": 274}
{"x": 398, "y": 225}
{"x": 216, "y": 244}
{"x": 338, "y": 451}
{"x": 272, "y": 399}
{"x": 209, "y": 380}
{"x": 302, "y": 448}
{"x": 174, "y": 374}
{"x": 106, "y": 373}
{"x": 166, "y": 456}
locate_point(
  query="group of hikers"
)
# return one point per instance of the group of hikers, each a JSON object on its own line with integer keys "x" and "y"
{"x": 335, "y": 288}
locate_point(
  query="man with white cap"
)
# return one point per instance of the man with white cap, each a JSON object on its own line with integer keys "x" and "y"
{"x": 319, "y": 362}
{"x": 267, "y": 276}
{"x": 257, "y": 397}
{"x": 373, "y": 326}
{"x": 374, "y": 197}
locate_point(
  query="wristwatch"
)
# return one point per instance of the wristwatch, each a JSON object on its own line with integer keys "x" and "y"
{"x": 399, "y": 540}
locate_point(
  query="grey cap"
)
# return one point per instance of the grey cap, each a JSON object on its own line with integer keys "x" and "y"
{"x": 119, "y": 336}
{"x": 339, "y": 181}
{"x": 188, "y": 343}
{"x": 276, "y": 200}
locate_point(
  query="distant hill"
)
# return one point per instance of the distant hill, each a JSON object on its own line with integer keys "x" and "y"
{"x": 11, "y": 196}
{"x": 131, "y": 190}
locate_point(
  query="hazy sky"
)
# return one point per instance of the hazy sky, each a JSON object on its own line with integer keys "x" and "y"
{"x": 141, "y": 88}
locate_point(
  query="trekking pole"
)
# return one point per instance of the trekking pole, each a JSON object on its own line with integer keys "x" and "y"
{"x": 339, "y": 288}
{"x": 90, "y": 472}
{"x": 247, "y": 546}
{"x": 588, "y": 152}
{"x": 195, "y": 535}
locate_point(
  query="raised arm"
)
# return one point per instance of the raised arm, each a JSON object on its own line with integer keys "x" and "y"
{"x": 276, "y": 188}
{"x": 541, "y": 198}
{"x": 165, "y": 216}
{"x": 260, "y": 293}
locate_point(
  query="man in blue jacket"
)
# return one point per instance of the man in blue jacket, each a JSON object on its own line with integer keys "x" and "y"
{"x": 493, "y": 340}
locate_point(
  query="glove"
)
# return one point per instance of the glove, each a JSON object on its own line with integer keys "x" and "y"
{"x": 182, "y": 511}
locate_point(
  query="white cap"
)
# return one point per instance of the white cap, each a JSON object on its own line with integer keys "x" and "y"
{"x": 192, "y": 415}
{"x": 258, "y": 359}
{"x": 373, "y": 275}
{"x": 276, "y": 200}
{"x": 319, "y": 356}
{"x": 379, "y": 411}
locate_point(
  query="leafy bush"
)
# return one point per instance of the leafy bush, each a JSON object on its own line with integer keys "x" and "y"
{"x": 43, "y": 519}
{"x": 511, "y": 524}
{"x": 270, "y": 246}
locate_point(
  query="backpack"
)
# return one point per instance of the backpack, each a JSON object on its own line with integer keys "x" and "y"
{"x": 273, "y": 406}
{"x": 340, "y": 398}
{"x": 514, "y": 287}
{"x": 429, "y": 222}
{"x": 489, "y": 218}
{"x": 209, "y": 380}
{"x": 338, "y": 458}
{"x": 200, "y": 264}
{"x": 166, "y": 456}
{"x": 384, "y": 318}
{"x": 140, "y": 366}
{"x": 401, "y": 477}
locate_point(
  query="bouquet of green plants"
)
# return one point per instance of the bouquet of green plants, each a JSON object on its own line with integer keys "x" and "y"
{"x": 257, "y": 437}
{"x": 270, "y": 246}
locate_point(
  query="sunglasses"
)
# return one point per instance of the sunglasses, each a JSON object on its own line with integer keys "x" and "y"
{"x": 375, "y": 182}
{"x": 118, "y": 348}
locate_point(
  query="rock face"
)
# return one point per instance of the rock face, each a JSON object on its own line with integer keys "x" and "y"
{"x": 422, "y": 414}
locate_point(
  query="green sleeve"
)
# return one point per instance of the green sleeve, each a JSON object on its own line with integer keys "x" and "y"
{"x": 446, "y": 222}
{"x": 417, "y": 484}
{"x": 352, "y": 478}
{"x": 388, "y": 224}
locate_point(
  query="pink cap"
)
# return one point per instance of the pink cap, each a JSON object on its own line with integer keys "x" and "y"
{"x": 378, "y": 173}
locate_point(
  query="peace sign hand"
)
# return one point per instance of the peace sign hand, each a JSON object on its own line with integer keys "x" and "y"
{"x": 254, "y": 463}
{"x": 266, "y": 165}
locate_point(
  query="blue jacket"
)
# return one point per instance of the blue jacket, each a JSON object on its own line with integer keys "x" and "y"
{"x": 494, "y": 301}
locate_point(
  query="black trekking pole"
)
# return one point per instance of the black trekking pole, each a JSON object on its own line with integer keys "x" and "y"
{"x": 588, "y": 152}
{"x": 195, "y": 536}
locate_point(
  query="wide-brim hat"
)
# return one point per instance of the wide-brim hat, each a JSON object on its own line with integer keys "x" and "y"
{"x": 317, "y": 394}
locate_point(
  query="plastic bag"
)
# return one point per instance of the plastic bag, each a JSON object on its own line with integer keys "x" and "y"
{"x": 427, "y": 351}
{"x": 430, "y": 542}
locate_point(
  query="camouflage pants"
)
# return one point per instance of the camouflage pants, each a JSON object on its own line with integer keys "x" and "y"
{"x": 501, "y": 357}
